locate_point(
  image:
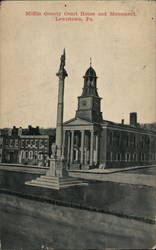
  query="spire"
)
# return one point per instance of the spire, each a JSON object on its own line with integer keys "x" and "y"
{"x": 90, "y": 62}
{"x": 90, "y": 78}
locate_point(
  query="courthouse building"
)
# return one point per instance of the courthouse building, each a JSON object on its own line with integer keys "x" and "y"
{"x": 90, "y": 141}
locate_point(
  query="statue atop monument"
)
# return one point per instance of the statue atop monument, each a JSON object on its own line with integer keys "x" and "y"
{"x": 62, "y": 64}
{"x": 62, "y": 71}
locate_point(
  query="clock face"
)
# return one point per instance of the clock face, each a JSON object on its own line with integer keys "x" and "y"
{"x": 84, "y": 103}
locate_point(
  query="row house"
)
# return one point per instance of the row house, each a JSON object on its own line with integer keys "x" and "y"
{"x": 35, "y": 149}
{"x": 25, "y": 146}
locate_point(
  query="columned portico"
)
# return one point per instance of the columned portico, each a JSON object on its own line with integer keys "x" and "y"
{"x": 82, "y": 140}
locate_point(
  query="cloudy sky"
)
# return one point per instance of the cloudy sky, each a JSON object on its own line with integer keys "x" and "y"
{"x": 121, "y": 47}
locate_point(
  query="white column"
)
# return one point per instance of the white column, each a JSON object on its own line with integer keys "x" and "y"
{"x": 72, "y": 146}
{"x": 20, "y": 157}
{"x": 76, "y": 155}
{"x": 96, "y": 149}
{"x": 68, "y": 152}
{"x": 82, "y": 145}
{"x": 85, "y": 156}
{"x": 91, "y": 146}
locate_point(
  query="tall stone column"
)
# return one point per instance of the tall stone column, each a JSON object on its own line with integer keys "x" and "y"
{"x": 82, "y": 145}
{"x": 57, "y": 176}
{"x": 62, "y": 74}
{"x": 72, "y": 146}
{"x": 91, "y": 146}
{"x": 63, "y": 144}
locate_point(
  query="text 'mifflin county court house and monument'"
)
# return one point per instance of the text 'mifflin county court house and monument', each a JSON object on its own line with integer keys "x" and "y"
{"x": 89, "y": 141}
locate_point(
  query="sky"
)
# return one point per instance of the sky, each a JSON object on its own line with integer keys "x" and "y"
{"x": 122, "y": 49}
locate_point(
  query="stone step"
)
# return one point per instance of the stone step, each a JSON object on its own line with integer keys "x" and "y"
{"x": 54, "y": 185}
{"x": 46, "y": 177}
{"x": 61, "y": 182}
{"x": 43, "y": 185}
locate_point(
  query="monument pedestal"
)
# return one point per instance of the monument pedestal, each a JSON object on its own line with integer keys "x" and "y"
{"x": 56, "y": 177}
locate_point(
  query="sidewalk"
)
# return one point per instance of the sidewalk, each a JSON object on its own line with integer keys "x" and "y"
{"x": 118, "y": 175}
{"x": 23, "y": 168}
{"x": 112, "y": 170}
{"x": 122, "y": 175}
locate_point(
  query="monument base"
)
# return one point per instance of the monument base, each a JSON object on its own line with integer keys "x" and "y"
{"x": 56, "y": 177}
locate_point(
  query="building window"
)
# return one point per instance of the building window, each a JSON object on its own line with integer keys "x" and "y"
{"x": 41, "y": 143}
{"x": 16, "y": 143}
{"x": 46, "y": 144}
{"x": 40, "y": 156}
{"x": 1, "y": 141}
{"x": 118, "y": 140}
{"x": 35, "y": 154}
{"x": 30, "y": 155}
{"x": 127, "y": 140}
{"x": 127, "y": 157}
{"x": 31, "y": 143}
{"x": 110, "y": 156}
{"x": 26, "y": 154}
{"x": 118, "y": 157}
{"x": 11, "y": 144}
{"x": 111, "y": 138}
{"x": 141, "y": 141}
{"x": 36, "y": 143}
{"x": 7, "y": 142}
{"x": 22, "y": 154}
{"x": 134, "y": 141}
{"x": 135, "y": 157}
{"x": 22, "y": 143}
{"x": 153, "y": 156}
{"x": 27, "y": 143}
{"x": 142, "y": 157}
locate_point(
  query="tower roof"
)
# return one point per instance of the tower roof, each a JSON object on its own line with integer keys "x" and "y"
{"x": 90, "y": 72}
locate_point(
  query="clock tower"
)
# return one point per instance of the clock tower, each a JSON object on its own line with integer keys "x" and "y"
{"x": 89, "y": 103}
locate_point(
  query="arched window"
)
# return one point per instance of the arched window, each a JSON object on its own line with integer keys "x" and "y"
{"x": 40, "y": 156}
{"x": 30, "y": 156}
{"x": 22, "y": 154}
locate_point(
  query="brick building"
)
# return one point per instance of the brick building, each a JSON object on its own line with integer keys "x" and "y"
{"x": 35, "y": 149}
{"x": 25, "y": 146}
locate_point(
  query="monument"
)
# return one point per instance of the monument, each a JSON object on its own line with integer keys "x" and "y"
{"x": 57, "y": 176}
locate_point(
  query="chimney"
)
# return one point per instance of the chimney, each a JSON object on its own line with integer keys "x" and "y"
{"x": 133, "y": 119}
{"x": 122, "y": 121}
{"x": 20, "y": 131}
{"x": 29, "y": 129}
{"x": 37, "y": 130}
